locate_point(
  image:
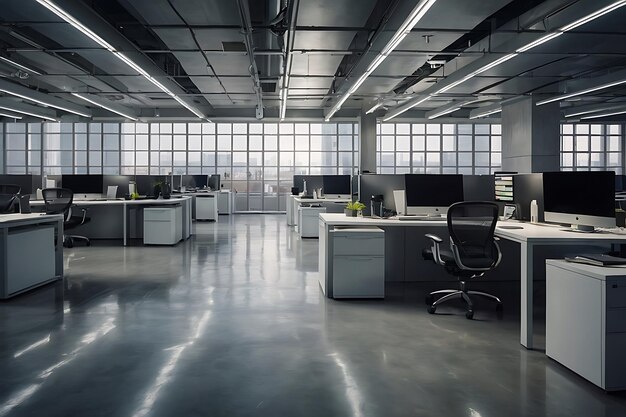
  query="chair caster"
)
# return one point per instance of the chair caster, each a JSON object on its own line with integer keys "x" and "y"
{"x": 469, "y": 314}
{"x": 499, "y": 307}
{"x": 431, "y": 309}
{"x": 88, "y": 243}
{"x": 429, "y": 299}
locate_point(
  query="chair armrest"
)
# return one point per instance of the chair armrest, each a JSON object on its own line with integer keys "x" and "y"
{"x": 434, "y": 238}
{"x": 435, "y": 248}
{"x": 84, "y": 210}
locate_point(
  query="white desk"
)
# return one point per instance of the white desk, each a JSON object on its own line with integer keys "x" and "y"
{"x": 333, "y": 205}
{"x": 529, "y": 237}
{"x": 13, "y": 284}
{"x": 127, "y": 205}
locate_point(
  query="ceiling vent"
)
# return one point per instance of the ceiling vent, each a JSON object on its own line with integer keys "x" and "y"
{"x": 268, "y": 87}
{"x": 234, "y": 46}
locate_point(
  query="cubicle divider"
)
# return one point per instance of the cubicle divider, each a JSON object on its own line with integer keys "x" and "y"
{"x": 28, "y": 183}
{"x": 526, "y": 188}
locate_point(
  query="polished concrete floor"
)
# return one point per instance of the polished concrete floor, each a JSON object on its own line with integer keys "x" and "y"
{"x": 232, "y": 323}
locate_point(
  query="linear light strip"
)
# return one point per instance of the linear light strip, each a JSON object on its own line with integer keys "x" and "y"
{"x": 416, "y": 15}
{"x": 18, "y": 65}
{"x": 29, "y": 113}
{"x": 93, "y": 36}
{"x": 12, "y": 116}
{"x": 597, "y": 116}
{"x": 34, "y": 100}
{"x": 374, "y": 108}
{"x": 581, "y": 92}
{"x": 485, "y": 114}
{"x": 444, "y": 112}
{"x": 87, "y": 99}
{"x": 583, "y": 20}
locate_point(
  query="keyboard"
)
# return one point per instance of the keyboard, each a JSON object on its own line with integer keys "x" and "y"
{"x": 420, "y": 218}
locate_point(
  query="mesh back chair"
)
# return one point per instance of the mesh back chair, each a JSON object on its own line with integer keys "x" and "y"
{"x": 60, "y": 201}
{"x": 473, "y": 251}
{"x": 8, "y": 197}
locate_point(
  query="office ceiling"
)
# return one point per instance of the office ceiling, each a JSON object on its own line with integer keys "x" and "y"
{"x": 198, "y": 49}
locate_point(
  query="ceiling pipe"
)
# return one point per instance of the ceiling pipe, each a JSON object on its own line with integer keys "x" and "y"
{"x": 246, "y": 21}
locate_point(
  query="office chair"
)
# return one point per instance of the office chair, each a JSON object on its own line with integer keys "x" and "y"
{"x": 60, "y": 201}
{"x": 473, "y": 251}
{"x": 8, "y": 197}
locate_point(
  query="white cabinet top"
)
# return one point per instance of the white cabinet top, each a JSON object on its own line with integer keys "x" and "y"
{"x": 597, "y": 272}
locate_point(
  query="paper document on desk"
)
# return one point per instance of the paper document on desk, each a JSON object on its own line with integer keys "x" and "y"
{"x": 598, "y": 260}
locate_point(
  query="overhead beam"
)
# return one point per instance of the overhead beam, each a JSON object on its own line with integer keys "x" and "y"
{"x": 16, "y": 106}
{"x": 246, "y": 21}
{"x": 590, "y": 85}
{"x": 592, "y": 108}
{"x": 108, "y": 105}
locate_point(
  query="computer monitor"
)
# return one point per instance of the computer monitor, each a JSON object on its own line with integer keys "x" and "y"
{"x": 83, "y": 184}
{"x": 121, "y": 181}
{"x": 526, "y": 188}
{"x": 214, "y": 182}
{"x": 336, "y": 186}
{"x": 432, "y": 194}
{"x": 379, "y": 184}
{"x": 195, "y": 181}
{"x": 583, "y": 199}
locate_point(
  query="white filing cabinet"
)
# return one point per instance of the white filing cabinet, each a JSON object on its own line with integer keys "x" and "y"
{"x": 358, "y": 269}
{"x": 291, "y": 210}
{"x": 206, "y": 207}
{"x": 162, "y": 225}
{"x": 224, "y": 202}
{"x": 586, "y": 321}
{"x": 30, "y": 259}
{"x": 308, "y": 221}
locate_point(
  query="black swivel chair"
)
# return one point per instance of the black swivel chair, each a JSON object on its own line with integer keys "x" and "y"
{"x": 60, "y": 201}
{"x": 473, "y": 251}
{"x": 8, "y": 197}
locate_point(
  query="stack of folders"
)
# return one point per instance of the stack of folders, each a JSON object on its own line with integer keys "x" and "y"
{"x": 598, "y": 260}
{"x": 504, "y": 187}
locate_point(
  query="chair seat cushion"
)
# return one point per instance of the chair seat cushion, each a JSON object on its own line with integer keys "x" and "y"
{"x": 446, "y": 256}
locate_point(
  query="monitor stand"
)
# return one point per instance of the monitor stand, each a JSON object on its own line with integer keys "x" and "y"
{"x": 580, "y": 228}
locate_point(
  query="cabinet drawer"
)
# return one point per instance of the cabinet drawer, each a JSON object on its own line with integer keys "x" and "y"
{"x": 358, "y": 277}
{"x": 358, "y": 243}
{"x": 616, "y": 320}
{"x": 615, "y": 293}
{"x": 158, "y": 214}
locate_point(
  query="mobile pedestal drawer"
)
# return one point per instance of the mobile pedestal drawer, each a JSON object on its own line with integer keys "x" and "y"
{"x": 585, "y": 321}
{"x": 358, "y": 263}
{"x": 162, "y": 225}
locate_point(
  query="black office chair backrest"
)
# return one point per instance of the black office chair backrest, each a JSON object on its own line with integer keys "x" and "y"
{"x": 471, "y": 225}
{"x": 57, "y": 200}
{"x": 8, "y": 197}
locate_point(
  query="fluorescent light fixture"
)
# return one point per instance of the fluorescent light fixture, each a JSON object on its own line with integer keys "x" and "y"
{"x": 89, "y": 100}
{"x": 18, "y": 65}
{"x": 43, "y": 103}
{"x": 405, "y": 108}
{"x": 597, "y": 116}
{"x": 40, "y": 116}
{"x": 583, "y": 20}
{"x": 374, "y": 107}
{"x": 416, "y": 15}
{"x": 444, "y": 112}
{"x": 283, "y": 101}
{"x": 93, "y": 36}
{"x": 581, "y": 92}
{"x": 595, "y": 109}
{"x": 485, "y": 113}
{"x": 12, "y": 116}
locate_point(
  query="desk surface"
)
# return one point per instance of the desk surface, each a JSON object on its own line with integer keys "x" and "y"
{"x": 38, "y": 217}
{"x": 542, "y": 232}
{"x": 598, "y": 272}
{"x": 322, "y": 200}
{"x": 173, "y": 200}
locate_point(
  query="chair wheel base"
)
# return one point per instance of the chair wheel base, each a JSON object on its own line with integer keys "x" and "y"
{"x": 499, "y": 307}
{"x": 469, "y": 314}
{"x": 431, "y": 309}
{"x": 429, "y": 300}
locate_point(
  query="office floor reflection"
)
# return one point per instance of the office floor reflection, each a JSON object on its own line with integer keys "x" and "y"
{"x": 232, "y": 323}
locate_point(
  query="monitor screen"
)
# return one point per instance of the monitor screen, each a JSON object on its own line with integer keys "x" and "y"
{"x": 214, "y": 182}
{"x": 83, "y": 184}
{"x": 433, "y": 190}
{"x": 336, "y": 185}
{"x": 121, "y": 181}
{"x": 580, "y": 193}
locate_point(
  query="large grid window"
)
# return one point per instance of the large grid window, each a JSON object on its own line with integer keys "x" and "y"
{"x": 432, "y": 148}
{"x": 592, "y": 147}
{"x": 256, "y": 160}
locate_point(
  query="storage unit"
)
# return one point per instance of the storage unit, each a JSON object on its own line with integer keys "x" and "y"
{"x": 224, "y": 202}
{"x": 162, "y": 225}
{"x": 21, "y": 272}
{"x": 206, "y": 207}
{"x": 308, "y": 221}
{"x": 586, "y": 321}
{"x": 291, "y": 210}
{"x": 358, "y": 269}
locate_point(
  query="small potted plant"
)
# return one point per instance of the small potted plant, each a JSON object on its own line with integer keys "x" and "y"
{"x": 353, "y": 208}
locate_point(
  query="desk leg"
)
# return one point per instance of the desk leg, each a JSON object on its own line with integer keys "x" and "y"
{"x": 526, "y": 302}
{"x": 58, "y": 256}
{"x": 125, "y": 215}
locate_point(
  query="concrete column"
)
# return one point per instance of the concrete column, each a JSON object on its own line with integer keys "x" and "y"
{"x": 530, "y": 136}
{"x": 367, "y": 143}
